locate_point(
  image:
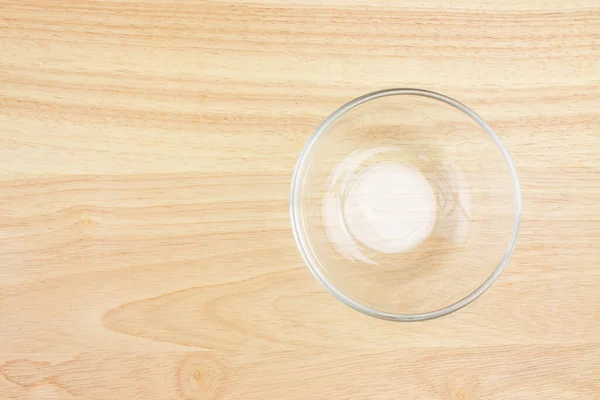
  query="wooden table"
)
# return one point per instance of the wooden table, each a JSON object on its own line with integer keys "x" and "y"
{"x": 146, "y": 150}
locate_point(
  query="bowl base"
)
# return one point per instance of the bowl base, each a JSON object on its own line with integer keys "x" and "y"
{"x": 390, "y": 208}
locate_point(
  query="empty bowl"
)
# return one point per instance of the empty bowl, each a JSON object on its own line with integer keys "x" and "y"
{"x": 405, "y": 205}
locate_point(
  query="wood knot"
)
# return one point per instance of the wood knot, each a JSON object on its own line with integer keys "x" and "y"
{"x": 200, "y": 377}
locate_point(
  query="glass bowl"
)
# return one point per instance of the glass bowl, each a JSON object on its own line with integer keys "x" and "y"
{"x": 405, "y": 205}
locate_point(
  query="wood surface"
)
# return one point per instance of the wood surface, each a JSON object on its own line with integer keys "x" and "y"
{"x": 146, "y": 151}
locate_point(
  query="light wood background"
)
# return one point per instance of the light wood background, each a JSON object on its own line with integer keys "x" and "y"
{"x": 146, "y": 150}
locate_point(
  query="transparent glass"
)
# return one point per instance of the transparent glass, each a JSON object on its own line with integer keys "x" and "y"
{"x": 405, "y": 204}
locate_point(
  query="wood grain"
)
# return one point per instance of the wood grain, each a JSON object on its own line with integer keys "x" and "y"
{"x": 146, "y": 150}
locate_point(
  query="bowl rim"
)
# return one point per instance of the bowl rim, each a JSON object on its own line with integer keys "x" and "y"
{"x": 299, "y": 230}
